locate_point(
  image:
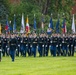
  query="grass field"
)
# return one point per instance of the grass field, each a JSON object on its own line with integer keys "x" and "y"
{"x": 38, "y": 66}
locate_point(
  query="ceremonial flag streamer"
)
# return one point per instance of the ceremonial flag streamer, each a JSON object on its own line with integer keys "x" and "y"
{"x": 34, "y": 22}
{"x": 57, "y": 27}
{"x": 7, "y": 28}
{"x": 73, "y": 25}
{"x": 14, "y": 25}
{"x": 27, "y": 26}
{"x": 51, "y": 24}
{"x": 64, "y": 29}
{"x": 22, "y": 24}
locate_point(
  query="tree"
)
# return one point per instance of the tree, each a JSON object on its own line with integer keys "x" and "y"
{"x": 3, "y": 12}
{"x": 38, "y": 7}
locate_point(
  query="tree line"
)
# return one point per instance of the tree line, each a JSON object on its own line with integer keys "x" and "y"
{"x": 37, "y": 7}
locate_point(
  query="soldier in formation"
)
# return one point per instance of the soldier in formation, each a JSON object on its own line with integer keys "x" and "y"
{"x": 32, "y": 44}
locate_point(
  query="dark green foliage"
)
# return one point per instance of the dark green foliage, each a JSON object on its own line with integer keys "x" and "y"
{"x": 37, "y": 7}
{"x": 3, "y": 12}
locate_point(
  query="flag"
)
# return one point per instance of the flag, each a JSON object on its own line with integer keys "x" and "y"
{"x": 14, "y": 24}
{"x": 34, "y": 23}
{"x": 0, "y": 28}
{"x": 49, "y": 31}
{"x": 64, "y": 29}
{"x": 7, "y": 27}
{"x": 7, "y": 24}
{"x": 51, "y": 24}
{"x": 27, "y": 26}
{"x": 22, "y": 24}
{"x": 73, "y": 25}
{"x": 57, "y": 26}
{"x": 42, "y": 23}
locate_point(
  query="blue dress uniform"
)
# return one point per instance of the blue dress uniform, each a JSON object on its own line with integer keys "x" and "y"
{"x": 0, "y": 47}
{"x": 64, "y": 45}
{"x": 29, "y": 51}
{"x": 13, "y": 44}
{"x": 47, "y": 43}
{"x": 25, "y": 45}
{"x": 74, "y": 44}
{"x": 70, "y": 46}
{"x": 34, "y": 45}
{"x": 5, "y": 46}
{"x": 53, "y": 42}
{"x": 59, "y": 43}
{"x": 44, "y": 45}
{"x": 40, "y": 46}
{"x": 21, "y": 46}
{"x": 18, "y": 45}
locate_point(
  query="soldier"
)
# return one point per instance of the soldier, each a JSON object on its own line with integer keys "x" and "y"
{"x": 59, "y": 43}
{"x": 12, "y": 44}
{"x": 0, "y": 46}
{"x": 5, "y": 45}
{"x": 34, "y": 44}
{"x": 47, "y": 43}
{"x": 74, "y": 44}
{"x": 53, "y": 42}
{"x": 8, "y": 39}
{"x": 70, "y": 45}
{"x": 29, "y": 44}
{"x": 41, "y": 45}
{"x": 21, "y": 45}
{"x": 44, "y": 44}
{"x": 64, "y": 45}
{"x": 25, "y": 44}
{"x": 18, "y": 38}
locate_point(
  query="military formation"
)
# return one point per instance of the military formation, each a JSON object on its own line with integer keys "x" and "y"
{"x": 33, "y": 44}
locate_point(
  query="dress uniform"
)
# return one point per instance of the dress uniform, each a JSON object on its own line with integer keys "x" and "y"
{"x": 53, "y": 42}
{"x": 7, "y": 50}
{"x": 64, "y": 45}
{"x": 41, "y": 45}
{"x": 34, "y": 44}
{"x": 70, "y": 46}
{"x": 74, "y": 44}
{"x": 18, "y": 38}
{"x": 13, "y": 44}
{"x": 59, "y": 43}
{"x": 25, "y": 45}
{"x": 0, "y": 47}
{"x": 21, "y": 45}
{"x": 47, "y": 43}
{"x": 44, "y": 44}
{"x": 5, "y": 45}
{"x": 29, "y": 51}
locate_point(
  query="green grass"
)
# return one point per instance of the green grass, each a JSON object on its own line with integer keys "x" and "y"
{"x": 38, "y": 66}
